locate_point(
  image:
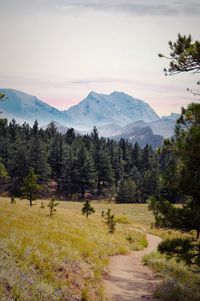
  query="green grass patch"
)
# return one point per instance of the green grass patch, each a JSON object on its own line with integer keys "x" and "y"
{"x": 122, "y": 219}
{"x": 180, "y": 282}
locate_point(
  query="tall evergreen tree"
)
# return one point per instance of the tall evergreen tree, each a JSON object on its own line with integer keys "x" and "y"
{"x": 38, "y": 158}
{"x": 103, "y": 168}
{"x": 85, "y": 168}
{"x": 126, "y": 192}
{"x": 30, "y": 187}
{"x": 184, "y": 57}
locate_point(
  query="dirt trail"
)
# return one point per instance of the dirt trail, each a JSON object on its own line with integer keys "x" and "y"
{"x": 128, "y": 279}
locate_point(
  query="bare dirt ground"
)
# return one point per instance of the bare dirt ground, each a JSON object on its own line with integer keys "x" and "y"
{"x": 128, "y": 279}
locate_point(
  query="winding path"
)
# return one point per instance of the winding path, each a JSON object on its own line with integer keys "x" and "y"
{"x": 128, "y": 279}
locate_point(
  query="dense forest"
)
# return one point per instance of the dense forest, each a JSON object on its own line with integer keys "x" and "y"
{"x": 76, "y": 165}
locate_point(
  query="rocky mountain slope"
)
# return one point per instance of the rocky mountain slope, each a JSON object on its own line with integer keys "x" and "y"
{"x": 116, "y": 108}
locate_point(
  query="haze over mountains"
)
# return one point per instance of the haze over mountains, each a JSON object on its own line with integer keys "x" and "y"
{"x": 115, "y": 115}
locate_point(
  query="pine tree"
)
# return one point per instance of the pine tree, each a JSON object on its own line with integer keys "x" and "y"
{"x": 184, "y": 57}
{"x": 51, "y": 130}
{"x": 3, "y": 172}
{"x": 13, "y": 201}
{"x": 55, "y": 156}
{"x": 18, "y": 164}
{"x": 85, "y": 167}
{"x": 87, "y": 209}
{"x": 42, "y": 206}
{"x": 103, "y": 168}
{"x": 38, "y": 158}
{"x": 66, "y": 171}
{"x": 30, "y": 187}
{"x": 126, "y": 192}
{"x": 70, "y": 136}
{"x": 52, "y": 204}
{"x": 110, "y": 221}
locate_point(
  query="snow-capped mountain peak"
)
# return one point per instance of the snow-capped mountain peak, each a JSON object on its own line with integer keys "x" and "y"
{"x": 117, "y": 107}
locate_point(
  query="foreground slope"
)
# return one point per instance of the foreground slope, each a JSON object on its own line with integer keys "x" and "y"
{"x": 59, "y": 258}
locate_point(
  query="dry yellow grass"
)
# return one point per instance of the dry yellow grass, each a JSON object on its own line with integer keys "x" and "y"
{"x": 63, "y": 257}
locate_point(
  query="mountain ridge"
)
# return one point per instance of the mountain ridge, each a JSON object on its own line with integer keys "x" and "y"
{"x": 95, "y": 109}
{"x": 113, "y": 114}
{"x": 117, "y": 107}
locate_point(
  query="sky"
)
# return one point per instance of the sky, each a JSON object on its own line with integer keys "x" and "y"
{"x": 60, "y": 50}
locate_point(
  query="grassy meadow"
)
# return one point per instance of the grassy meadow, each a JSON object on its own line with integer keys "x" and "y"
{"x": 61, "y": 257}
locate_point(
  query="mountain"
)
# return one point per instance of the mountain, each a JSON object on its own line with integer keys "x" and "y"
{"x": 24, "y": 107}
{"x": 131, "y": 126}
{"x": 141, "y": 135}
{"x": 116, "y": 115}
{"x": 108, "y": 129}
{"x": 117, "y": 108}
{"x": 164, "y": 126}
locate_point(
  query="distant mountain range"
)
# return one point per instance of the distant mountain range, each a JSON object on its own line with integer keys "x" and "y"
{"x": 141, "y": 135}
{"x": 115, "y": 115}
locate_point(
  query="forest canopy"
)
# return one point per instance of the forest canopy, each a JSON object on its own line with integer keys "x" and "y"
{"x": 75, "y": 164}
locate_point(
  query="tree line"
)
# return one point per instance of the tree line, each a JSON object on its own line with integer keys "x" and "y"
{"x": 76, "y": 164}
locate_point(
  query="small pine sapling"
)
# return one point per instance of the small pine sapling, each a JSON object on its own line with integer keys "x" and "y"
{"x": 42, "y": 206}
{"x": 13, "y": 201}
{"x": 52, "y": 204}
{"x": 110, "y": 221}
{"x": 102, "y": 214}
{"x": 31, "y": 187}
{"x": 130, "y": 239}
{"x": 87, "y": 209}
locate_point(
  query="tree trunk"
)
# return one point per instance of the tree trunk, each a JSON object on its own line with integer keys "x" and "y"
{"x": 82, "y": 192}
{"x": 99, "y": 187}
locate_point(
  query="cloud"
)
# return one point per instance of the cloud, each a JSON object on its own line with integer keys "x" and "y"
{"x": 135, "y": 7}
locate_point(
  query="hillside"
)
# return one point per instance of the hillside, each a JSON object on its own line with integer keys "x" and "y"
{"x": 59, "y": 258}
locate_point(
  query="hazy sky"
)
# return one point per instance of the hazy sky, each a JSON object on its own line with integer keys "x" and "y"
{"x": 60, "y": 50}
